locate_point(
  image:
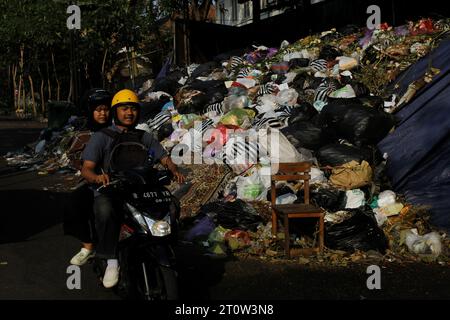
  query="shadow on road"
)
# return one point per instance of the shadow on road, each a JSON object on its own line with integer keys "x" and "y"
{"x": 29, "y": 212}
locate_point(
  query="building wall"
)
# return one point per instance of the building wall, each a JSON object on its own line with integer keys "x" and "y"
{"x": 231, "y": 13}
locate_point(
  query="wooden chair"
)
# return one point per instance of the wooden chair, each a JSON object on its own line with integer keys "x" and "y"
{"x": 288, "y": 172}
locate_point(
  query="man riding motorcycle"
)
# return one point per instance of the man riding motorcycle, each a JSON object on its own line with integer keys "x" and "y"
{"x": 96, "y": 170}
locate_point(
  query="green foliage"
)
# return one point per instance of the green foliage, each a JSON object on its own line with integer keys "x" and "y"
{"x": 39, "y": 26}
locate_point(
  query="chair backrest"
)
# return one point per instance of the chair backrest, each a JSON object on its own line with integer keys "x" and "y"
{"x": 288, "y": 172}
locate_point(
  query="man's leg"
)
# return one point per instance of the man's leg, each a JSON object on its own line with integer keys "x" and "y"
{"x": 107, "y": 224}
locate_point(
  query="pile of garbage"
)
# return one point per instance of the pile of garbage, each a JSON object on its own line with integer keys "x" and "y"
{"x": 322, "y": 99}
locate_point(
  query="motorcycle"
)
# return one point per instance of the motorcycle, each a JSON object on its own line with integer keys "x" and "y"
{"x": 147, "y": 235}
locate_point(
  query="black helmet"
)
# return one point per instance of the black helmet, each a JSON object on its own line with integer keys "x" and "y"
{"x": 95, "y": 97}
{"x": 91, "y": 100}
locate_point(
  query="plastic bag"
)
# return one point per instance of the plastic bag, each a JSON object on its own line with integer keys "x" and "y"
{"x": 304, "y": 134}
{"x": 287, "y": 97}
{"x": 280, "y": 149}
{"x": 386, "y": 198}
{"x": 338, "y": 154}
{"x": 352, "y": 175}
{"x": 251, "y": 188}
{"x": 359, "y": 232}
{"x": 356, "y": 123}
{"x": 429, "y": 243}
{"x": 237, "y": 239}
{"x": 330, "y": 199}
{"x": 304, "y": 112}
{"x": 202, "y": 227}
{"x": 355, "y": 199}
{"x": 235, "y": 102}
{"x": 287, "y": 198}
{"x": 238, "y": 117}
{"x": 233, "y": 215}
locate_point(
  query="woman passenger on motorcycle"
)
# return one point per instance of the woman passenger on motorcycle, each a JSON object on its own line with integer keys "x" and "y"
{"x": 78, "y": 221}
{"x": 125, "y": 110}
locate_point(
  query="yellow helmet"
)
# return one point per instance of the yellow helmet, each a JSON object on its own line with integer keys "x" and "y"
{"x": 125, "y": 97}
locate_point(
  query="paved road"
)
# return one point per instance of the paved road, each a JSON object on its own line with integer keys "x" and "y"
{"x": 34, "y": 255}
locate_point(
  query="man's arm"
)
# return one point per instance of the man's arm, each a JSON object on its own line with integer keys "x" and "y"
{"x": 168, "y": 163}
{"x": 87, "y": 172}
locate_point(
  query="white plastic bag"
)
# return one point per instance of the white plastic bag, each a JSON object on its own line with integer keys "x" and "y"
{"x": 251, "y": 188}
{"x": 355, "y": 199}
{"x": 386, "y": 198}
{"x": 429, "y": 243}
{"x": 287, "y": 198}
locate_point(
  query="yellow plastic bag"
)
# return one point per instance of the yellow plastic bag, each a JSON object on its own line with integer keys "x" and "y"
{"x": 352, "y": 175}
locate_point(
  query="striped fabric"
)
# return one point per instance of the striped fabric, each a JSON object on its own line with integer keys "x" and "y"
{"x": 243, "y": 73}
{"x": 324, "y": 90}
{"x": 319, "y": 65}
{"x": 240, "y": 150}
{"x": 268, "y": 122}
{"x": 284, "y": 111}
{"x": 216, "y": 107}
{"x": 160, "y": 119}
{"x": 236, "y": 61}
{"x": 267, "y": 88}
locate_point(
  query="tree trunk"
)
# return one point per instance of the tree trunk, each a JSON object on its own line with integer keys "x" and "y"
{"x": 19, "y": 93}
{"x": 42, "y": 91}
{"x": 33, "y": 102}
{"x": 14, "y": 73}
{"x": 206, "y": 6}
{"x": 42, "y": 96}
{"x": 49, "y": 87}
{"x": 69, "y": 97}
{"x": 58, "y": 86}
{"x": 103, "y": 67}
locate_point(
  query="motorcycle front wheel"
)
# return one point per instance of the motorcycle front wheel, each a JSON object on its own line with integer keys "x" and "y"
{"x": 157, "y": 282}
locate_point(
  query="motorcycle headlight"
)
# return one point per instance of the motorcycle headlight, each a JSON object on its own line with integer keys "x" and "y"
{"x": 159, "y": 228}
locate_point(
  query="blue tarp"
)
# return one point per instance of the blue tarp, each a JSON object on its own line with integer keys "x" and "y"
{"x": 419, "y": 149}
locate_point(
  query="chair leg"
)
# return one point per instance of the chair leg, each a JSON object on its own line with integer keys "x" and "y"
{"x": 321, "y": 234}
{"x": 286, "y": 236}
{"x": 274, "y": 223}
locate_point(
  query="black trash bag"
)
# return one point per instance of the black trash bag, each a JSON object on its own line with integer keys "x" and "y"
{"x": 356, "y": 123}
{"x": 304, "y": 112}
{"x": 222, "y": 57}
{"x": 298, "y": 82}
{"x": 298, "y": 63}
{"x": 279, "y": 192}
{"x": 215, "y": 90}
{"x": 232, "y": 215}
{"x": 280, "y": 78}
{"x": 372, "y": 102}
{"x": 329, "y": 53}
{"x": 338, "y": 154}
{"x": 167, "y": 84}
{"x": 331, "y": 199}
{"x": 303, "y": 134}
{"x": 349, "y": 29}
{"x": 359, "y": 232}
{"x": 203, "y": 70}
{"x": 150, "y": 109}
{"x": 360, "y": 89}
{"x": 195, "y": 105}
{"x": 312, "y": 82}
{"x": 165, "y": 131}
